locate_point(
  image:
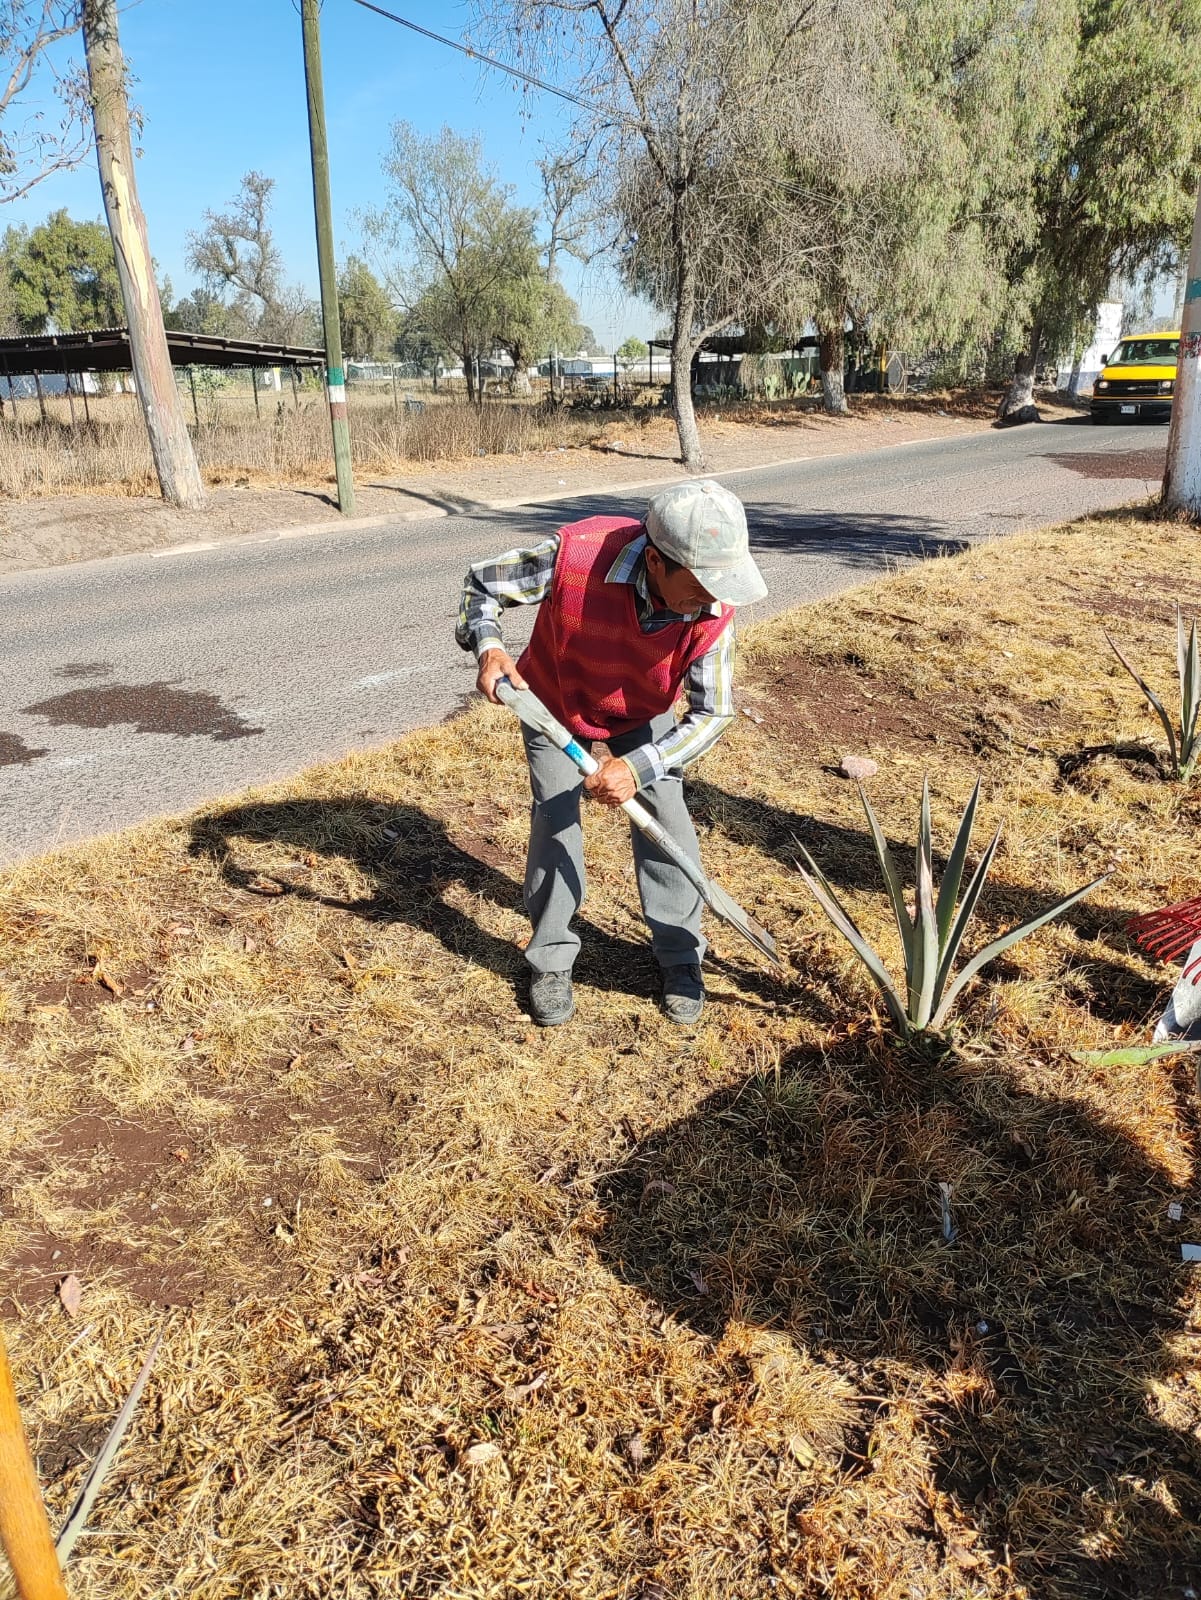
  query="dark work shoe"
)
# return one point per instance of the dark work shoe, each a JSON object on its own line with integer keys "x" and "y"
{"x": 683, "y": 993}
{"x": 550, "y": 998}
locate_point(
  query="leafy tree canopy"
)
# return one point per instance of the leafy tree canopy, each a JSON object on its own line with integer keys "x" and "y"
{"x": 1115, "y": 186}
{"x": 365, "y": 312}
{"x": 464, "y": 260}
{"x": 62, "y": 275}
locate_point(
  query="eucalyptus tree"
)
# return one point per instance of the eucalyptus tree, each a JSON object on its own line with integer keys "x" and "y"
{"x": 463, "y": 260}
{"x": 33, "y": 147}
{"x": 451, "y": 240}
{"x": 170, "y": 445}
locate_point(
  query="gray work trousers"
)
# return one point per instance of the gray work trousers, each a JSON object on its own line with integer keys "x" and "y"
{"x": 554, "y": 876}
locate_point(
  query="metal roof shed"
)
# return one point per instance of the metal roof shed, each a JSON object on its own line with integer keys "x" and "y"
{"x": 107, "y": 350}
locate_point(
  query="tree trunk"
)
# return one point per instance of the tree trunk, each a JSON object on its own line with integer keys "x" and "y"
{"x": 1182, "y": 475}
{"x": 831, "y": 361}
{"x": 683, "y": 348}
{"x": 174, "y": 460}
{"x": 1018, "y": 403}
{"x": 469, "y": 374}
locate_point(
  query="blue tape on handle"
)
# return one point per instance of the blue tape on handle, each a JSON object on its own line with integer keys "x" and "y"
{"x": 1192, "y": 290}
{"x": 574, "y": 751}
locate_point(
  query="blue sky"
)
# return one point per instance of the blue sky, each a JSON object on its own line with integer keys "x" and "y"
{"x": 222, "y": 88}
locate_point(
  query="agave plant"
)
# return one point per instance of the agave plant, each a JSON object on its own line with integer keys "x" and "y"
{"x": 932, "y": 937}
{"x": 1184, "y": 744}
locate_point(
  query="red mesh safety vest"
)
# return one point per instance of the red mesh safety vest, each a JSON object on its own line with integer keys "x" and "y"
{"x": 588, "y": 659}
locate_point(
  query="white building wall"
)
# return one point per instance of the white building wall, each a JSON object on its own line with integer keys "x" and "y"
{"x": 1106, "y": 334}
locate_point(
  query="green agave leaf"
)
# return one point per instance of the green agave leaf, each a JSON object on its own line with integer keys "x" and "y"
{"x": 952, "y": 878}
{"x": 1189, "y": 662}
{"x": 1136, "y": 1055}
{"x": 82, "y": 1509}
{"x": 1153, "y": 699}
{"x": 926, "y": 948}
{"x": 959, "y": 927}
{"x": 1181, "y": 646}
{"x": 1007, "y": 940}
{"x": 821, "y": 891}
{"x": 892, "y": 878}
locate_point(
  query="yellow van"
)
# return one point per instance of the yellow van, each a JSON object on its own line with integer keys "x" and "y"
{"x": 1137, "y": 380}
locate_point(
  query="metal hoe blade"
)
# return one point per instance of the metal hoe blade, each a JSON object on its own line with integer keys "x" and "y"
{"x": 730, "y": 911}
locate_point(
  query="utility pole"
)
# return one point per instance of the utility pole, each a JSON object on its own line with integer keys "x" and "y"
{"x": 1182, "y": 478}
{"x": 174, "y": 459}
{"x": 335, "y": 377}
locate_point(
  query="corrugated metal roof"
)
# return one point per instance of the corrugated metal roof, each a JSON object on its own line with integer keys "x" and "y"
{"x": 107, "y": 350}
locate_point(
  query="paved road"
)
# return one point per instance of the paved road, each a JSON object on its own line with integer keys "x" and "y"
{"x": 142, "y": 685}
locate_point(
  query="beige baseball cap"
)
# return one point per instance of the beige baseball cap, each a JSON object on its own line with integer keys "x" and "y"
{"x": 702, "y": 526}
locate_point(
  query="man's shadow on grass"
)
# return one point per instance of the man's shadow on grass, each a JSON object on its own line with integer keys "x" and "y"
{"x": 807, "y": 1203}
{"x": 411, "y": 862}
{"x": 1112, "y": 989}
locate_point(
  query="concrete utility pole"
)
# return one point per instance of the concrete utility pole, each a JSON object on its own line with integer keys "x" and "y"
{"x": 1182, "y": 477}
{"x": 335, "y": 377}
{"x": 174, "y": 459}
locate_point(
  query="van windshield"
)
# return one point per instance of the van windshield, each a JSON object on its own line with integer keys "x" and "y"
{"x": 1144, "y": 352}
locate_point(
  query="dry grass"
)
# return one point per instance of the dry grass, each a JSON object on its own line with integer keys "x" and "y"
{"x": 613, "y": 1311}
{"x": 286, "y": 444}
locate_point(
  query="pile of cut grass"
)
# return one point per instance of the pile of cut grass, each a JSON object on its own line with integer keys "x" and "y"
{"x": 459, "y": 1308}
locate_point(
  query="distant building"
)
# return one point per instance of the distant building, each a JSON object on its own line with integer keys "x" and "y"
{"x": 1106, "y": 334}
{"x": 569, "y": 367}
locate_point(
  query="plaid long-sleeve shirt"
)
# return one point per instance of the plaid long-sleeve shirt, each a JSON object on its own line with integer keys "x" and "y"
{"x": 523, "y": 578}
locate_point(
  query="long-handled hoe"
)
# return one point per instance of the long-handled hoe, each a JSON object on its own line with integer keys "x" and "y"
{"x": 535, "y": 715}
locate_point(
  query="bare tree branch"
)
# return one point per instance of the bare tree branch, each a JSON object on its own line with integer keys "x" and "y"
{"x": 31, "y": 150}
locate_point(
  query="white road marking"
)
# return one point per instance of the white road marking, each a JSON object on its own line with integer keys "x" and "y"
{"x": 376, "y": 678}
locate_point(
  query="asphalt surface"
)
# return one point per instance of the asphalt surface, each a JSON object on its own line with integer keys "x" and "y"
{"x": 142, "y": 685}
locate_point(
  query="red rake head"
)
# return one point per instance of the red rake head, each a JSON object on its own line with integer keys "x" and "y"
{"x": 1170, "y": 933}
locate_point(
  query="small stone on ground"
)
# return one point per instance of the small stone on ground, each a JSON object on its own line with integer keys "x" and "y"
{"x": 858, "y": 767}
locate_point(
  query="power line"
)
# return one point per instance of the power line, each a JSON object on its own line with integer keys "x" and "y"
{"x": 475, "y": 55}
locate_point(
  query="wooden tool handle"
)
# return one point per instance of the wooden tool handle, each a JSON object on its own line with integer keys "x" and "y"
{"x": 24, "y": 1530}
